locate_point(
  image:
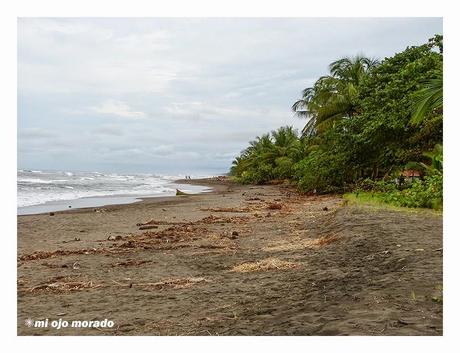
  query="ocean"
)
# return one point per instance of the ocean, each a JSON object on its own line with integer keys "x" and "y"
{"x": 45, "y": 191}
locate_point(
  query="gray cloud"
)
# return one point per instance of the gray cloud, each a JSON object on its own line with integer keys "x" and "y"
{"x": 36, "y": 133}
{"x": 165, "y": 95}
{"x": 110, "y": 130}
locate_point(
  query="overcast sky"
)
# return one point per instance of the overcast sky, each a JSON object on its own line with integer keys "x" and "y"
{"x": 176, "y": 95}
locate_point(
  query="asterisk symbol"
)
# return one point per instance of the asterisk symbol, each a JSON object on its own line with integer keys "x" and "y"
{"x": 29, "y": 322}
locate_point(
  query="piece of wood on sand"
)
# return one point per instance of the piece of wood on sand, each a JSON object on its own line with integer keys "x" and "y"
{"x": 148, "y": 226}
{"x": 180, "y": 193}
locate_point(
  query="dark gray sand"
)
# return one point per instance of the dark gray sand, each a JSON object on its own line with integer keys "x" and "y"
{"x": 242, "y": 260}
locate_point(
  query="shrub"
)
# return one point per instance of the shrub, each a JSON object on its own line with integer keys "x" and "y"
{"x": 427, "y": 193}
{"x": 259, "y": 175}
{"x": 320, "y": 172}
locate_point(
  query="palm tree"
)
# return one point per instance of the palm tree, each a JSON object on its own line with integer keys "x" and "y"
{"x": 259, "y": 151}
{"x": 276, "y": 153}
{"x": 287, "y": 151}
{"x": 428, "y": 99}
{"x": 286, "y": 142}
{"x": 333, "y": 97}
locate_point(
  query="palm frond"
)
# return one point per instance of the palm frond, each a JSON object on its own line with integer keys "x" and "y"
{"x": 428, "y": 99}
{"x": 333, "y": 96}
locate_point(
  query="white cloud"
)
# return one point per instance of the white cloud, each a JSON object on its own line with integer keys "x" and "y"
{"x": 208, "y": 111}
{"x": 194, "y": 91}
{"x": 118, "y": 108}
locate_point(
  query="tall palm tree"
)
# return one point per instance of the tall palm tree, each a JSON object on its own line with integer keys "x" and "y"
{"x": 333, "y": 97}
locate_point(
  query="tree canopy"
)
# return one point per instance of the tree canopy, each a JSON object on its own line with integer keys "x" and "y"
{"x": 366, "y": 119}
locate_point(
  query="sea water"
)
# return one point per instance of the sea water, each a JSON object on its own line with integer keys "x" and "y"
{"x": 44, "y": 191}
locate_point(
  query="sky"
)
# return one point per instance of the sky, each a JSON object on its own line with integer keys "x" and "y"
{"x": 177, "y": 95}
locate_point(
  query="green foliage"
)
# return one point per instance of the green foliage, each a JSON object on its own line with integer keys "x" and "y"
{"x": 379, "y": 186}
{"x": 387, "y": 96}
{"x": 269, "y": 157}
{"x": 427, "y": 193}
{"x": 335, "y": 96}
{"x": 320, "y": 172}
{"x": 283, "y": 167}
{"x": 428, "y": 99}
{"x": 436, "y": 159}
{"x": 368, "y": 121}
{"x": 259, "y": 174}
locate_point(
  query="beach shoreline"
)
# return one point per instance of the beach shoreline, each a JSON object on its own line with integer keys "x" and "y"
{"x": 101, "y": 201}
{"x": 239, "y": 260}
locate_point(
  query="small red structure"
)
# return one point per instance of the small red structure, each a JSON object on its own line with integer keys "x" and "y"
{"x": 411, "y": 173}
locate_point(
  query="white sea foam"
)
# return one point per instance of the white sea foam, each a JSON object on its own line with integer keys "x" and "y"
{"x": 59, "y": 186}
{"x": 34, "y": 181}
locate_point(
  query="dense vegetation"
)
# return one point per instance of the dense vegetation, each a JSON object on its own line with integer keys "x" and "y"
{"x": 367, "y": 121}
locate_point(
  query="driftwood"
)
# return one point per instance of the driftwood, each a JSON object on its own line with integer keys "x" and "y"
{"x": 180, "y": 193}
{"x": 227, "y": 209}
{"x": 148, "y": 226}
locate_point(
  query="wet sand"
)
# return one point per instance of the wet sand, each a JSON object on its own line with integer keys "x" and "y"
{"x": 242, "y": 260}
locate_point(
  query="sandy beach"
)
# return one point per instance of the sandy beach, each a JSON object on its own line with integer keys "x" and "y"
{"x": 241, "y": 260}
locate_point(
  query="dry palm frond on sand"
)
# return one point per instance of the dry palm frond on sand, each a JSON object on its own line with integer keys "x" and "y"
{"x": 63, "y": 285}
{"x": 173, "y": 283}
{"x": 264, "y": 265}
{"x": 38, "y": 255}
